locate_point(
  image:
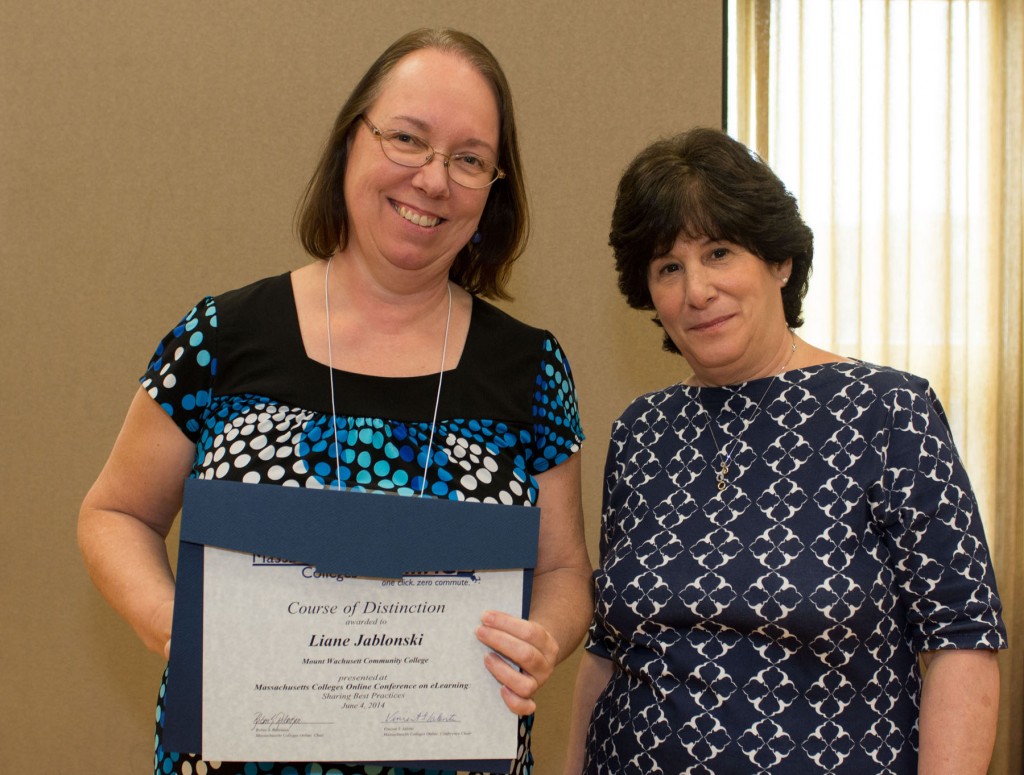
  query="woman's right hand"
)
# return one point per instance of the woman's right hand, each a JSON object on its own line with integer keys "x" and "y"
{"x": 592, "y": 678}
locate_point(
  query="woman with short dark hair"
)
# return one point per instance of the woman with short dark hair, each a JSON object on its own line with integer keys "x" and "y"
{"x": 787, "y": 533}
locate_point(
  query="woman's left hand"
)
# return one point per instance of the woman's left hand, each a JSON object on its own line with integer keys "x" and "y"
{"x": 560, "y": 600}
{"x": 526, "y": 645}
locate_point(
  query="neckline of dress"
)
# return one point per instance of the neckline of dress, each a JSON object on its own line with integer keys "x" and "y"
{"x": 738, "y": 387}
{"x": 295, "y": 331}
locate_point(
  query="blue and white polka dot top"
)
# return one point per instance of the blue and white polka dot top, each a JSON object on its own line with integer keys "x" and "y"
{"x": 235, "y": 378}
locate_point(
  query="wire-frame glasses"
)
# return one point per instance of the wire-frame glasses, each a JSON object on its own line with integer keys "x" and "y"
{"x": 467, "y": 169}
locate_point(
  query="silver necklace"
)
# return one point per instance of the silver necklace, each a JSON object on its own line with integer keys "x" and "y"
{"x": 725, "y": 453}
{"x": 330, "y": 375}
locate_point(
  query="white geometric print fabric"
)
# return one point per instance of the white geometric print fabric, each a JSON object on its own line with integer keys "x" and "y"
{"x": 775, "y": 626}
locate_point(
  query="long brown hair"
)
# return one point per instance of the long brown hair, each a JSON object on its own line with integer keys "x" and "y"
{"x": 482, "y": 267}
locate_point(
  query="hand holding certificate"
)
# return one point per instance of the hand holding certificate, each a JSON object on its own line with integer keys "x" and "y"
{"x": 298, "y": 660}
{"x": 530, "y": 651}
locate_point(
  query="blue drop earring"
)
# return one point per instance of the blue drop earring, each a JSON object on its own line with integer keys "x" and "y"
{"x": 476, "y": 239}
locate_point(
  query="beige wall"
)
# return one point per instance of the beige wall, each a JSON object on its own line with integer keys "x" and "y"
{"x": 151, "y": 153}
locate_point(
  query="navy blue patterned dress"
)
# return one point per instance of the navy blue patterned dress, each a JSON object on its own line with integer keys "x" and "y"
{"x": 234, "y": 377}
{"x": 775, "y": 626}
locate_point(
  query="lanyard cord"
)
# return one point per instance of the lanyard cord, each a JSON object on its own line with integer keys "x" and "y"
{"x": 330, "y": 369}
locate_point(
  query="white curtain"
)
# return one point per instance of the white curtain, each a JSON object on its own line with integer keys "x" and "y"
{"x": 898, "y": 126}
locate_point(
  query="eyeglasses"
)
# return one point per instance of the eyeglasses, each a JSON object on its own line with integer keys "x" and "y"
{"x": 466, "y": 169}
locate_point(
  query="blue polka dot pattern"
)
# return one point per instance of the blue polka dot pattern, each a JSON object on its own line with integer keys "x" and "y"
{"x": 252, "y": 437}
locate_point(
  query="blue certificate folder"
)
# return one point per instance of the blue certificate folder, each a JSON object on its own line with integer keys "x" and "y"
{"x": 341, "y": 532}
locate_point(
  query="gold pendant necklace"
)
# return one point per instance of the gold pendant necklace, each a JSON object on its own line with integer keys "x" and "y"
{"x": 725, "y": 453}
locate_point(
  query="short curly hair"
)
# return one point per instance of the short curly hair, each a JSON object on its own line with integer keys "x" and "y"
{"x": 704, "y": 184}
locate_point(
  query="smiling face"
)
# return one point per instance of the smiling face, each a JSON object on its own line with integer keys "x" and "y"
{"x": 414, "y": 219}
{"x": 722, "y": 307}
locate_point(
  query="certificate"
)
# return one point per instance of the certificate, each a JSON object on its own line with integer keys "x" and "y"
{"x": 279, "y": 654}
{"x": 350, "y": 669}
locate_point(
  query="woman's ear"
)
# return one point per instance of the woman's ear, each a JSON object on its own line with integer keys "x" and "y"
{"x": 782, "y": 271}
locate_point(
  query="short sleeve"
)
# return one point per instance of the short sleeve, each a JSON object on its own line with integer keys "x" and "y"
{"x": 181, "y": 373}
{"x": 556, "y": 418}
{"x": 929, "y": 518}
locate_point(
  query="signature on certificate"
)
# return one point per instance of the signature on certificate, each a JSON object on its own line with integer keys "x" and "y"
{"x": 276, "y": 722}
{"x": 422, "y": 717}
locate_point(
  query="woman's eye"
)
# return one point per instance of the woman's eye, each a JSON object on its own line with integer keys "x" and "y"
{"x": 404, "y": 138}
{"x": 469, "y": 160}
{"x": 669, "y": 268}
{"x": 718, "y": 253}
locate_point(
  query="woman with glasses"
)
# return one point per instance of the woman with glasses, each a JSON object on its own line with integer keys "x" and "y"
{"x": 378, "y": 366}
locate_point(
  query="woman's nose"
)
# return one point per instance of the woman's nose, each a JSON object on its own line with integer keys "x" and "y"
{"x": 700, "y": 288}
{"x": 432, "y": 177}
